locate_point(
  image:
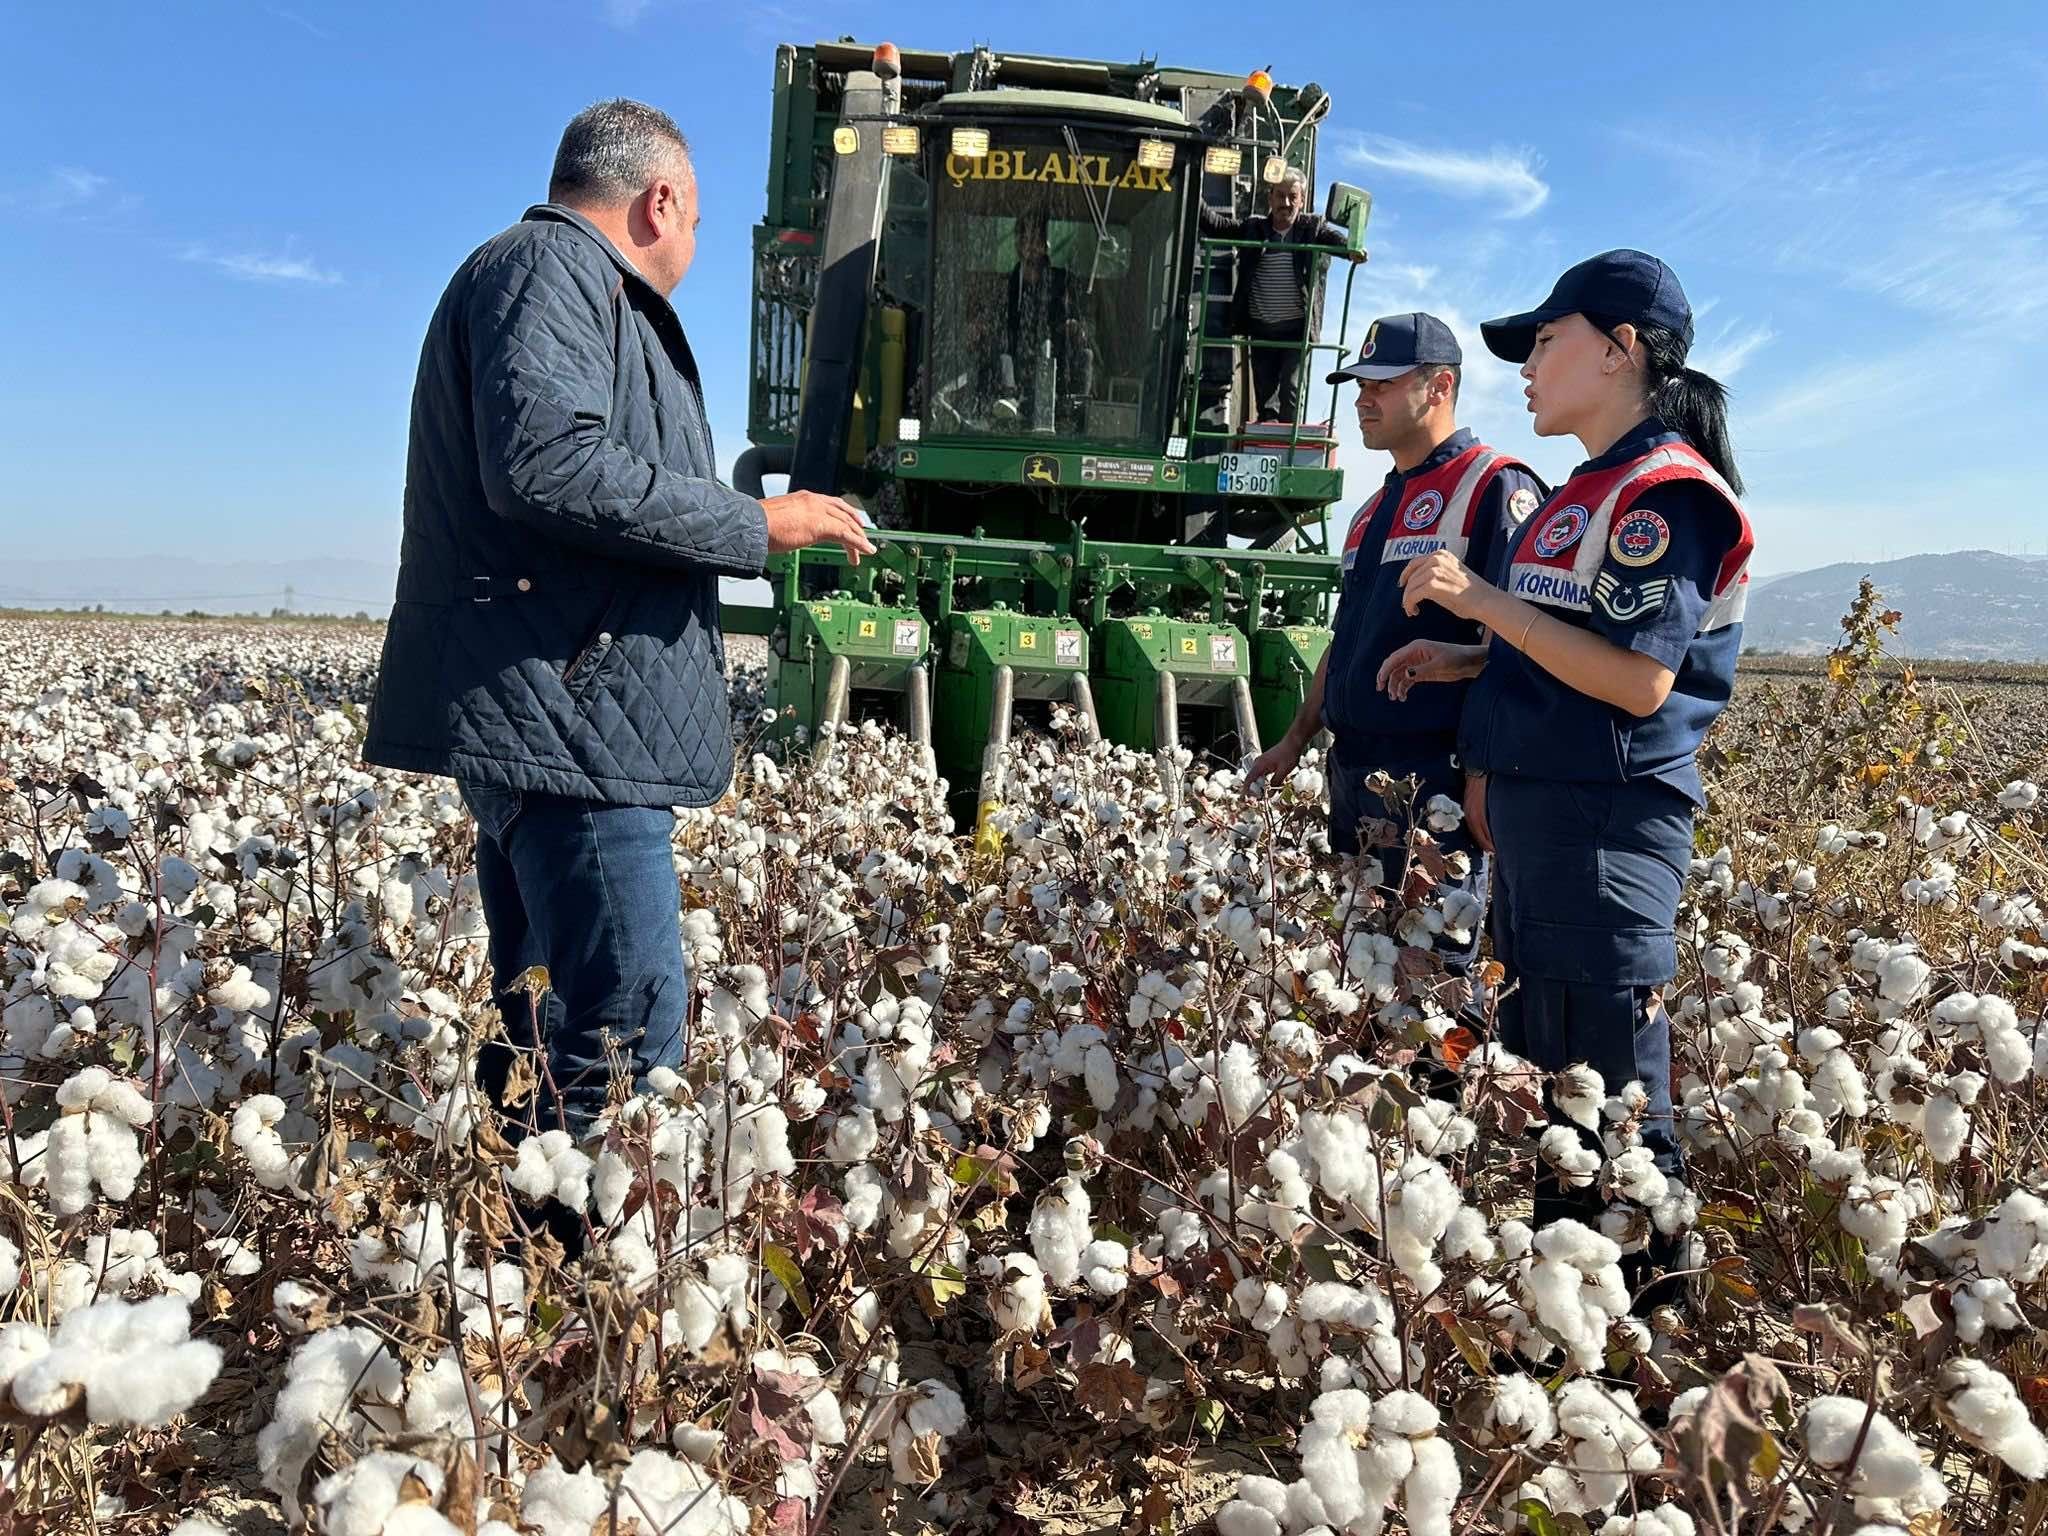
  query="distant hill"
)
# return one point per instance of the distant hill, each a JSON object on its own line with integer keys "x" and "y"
{"x": 1972, "y": 604}
{"x": 131, "y": 584}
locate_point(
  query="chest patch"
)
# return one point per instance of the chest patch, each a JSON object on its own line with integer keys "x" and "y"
{"x": 1640, "y": 538}
{"x": 1422, "y": 511}
{"x": 1560, "y": 531}
{"x": 1521, "y": 504}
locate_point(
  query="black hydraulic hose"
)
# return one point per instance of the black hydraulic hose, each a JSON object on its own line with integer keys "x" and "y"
{"x": 755, "y": 463}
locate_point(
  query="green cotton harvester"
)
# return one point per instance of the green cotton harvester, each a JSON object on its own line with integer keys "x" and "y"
{"x": 985, "y": 310}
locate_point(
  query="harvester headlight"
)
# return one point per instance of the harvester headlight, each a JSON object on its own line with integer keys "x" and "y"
{"x": 1275, "y": 170}
{"x": 909, "y": 429}
{"x": 970, "y": 143}
{"x": 845, "y": 139}
{"x": 1155, "y": 154}
{"x": 1222, "y": 160}
{"x": 900, "y": 139}
{"x": 1176, "y": 447}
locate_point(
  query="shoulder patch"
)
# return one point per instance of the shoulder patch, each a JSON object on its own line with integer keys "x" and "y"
{"x": 1624, "y": 601}
{"x": 1522, "y": 503}
{"x": 1560, "y": 531}
{"x": 1640, "y": 538}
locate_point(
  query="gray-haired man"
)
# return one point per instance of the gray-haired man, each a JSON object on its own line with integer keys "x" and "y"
{"x": 1276, "y": 296}
{"x": 555, "y": 644}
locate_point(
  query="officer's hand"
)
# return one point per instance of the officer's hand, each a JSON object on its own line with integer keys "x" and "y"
{"x": 1419, "y": 661}
{"x": 805, "y": 517}
{"x": 1475, "y": 811}
{"x": 1275, "y": 763}
{"x": 1440, "y": 578}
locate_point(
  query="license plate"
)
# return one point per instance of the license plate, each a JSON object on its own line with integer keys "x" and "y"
{"x": 1248, "y": 474}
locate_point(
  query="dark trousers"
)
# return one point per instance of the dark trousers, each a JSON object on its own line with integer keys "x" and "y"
{"x": 1276, "y": 371}
{"x": 1586, "y": 885}
{"x": 589, "y": 892}
{"x": 1351, "y": 802}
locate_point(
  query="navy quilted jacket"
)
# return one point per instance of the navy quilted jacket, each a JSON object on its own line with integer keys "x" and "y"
{"x": 557, "y": 619}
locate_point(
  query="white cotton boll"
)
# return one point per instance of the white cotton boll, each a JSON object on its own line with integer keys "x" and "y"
{"x": 1888, "y": 1465}
{"x": 1106, "y": 1266}
{"x": 131, "y": 1362}
{"x": 1100, "y": 1075}
{"x": 1575, "y": 1163}
{"x": 1420, "y": 1204}
{"x": 253, "y": 1130}
{"x": 1518, "y": 1413}
{"x": 1662, "y": 1520}
{"x": 853, "y": 1137}
{"x": 1429, "y": 1493}
{"x": 555, "y": 1499}
{"x": 1239, "y": 1084}
{"x": 197, "y": 1525}
{"x": 1260, "y": 1301}
{"x": 239, "y": 993}
{"x": 1060, "y": 1231}
{"x": 1986, "y": 1302}
{"x": 1986, "y": 1410}
{"x": 1443, "y": 814}
{"x": 1902, "y": 976}
{"x": 1578, "y": 1093}
{"x": 1242, "y": 1518}
{"x": 1946, "y": 1125}
{"x": 2019, "y": 795}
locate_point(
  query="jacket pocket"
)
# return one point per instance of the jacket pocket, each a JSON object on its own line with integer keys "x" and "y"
{"x": 589, "y": 658}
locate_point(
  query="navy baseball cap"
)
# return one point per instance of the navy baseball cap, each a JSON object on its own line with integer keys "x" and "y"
{"x": 1617, "y": 285}
{"x": 1396, "y": 343}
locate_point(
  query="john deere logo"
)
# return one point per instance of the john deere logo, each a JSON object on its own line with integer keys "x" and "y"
{"x": 1041, "y": 469}
{"x": 1170, "y": 473}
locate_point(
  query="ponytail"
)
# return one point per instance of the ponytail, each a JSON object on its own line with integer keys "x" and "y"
{"x": 1692, "y": 404}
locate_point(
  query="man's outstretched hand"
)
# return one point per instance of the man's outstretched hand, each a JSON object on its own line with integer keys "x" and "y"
{"x": 804, "y": 517}
{"x": 1275, "y": 763}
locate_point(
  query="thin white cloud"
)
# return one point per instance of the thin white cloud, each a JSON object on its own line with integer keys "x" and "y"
{"x": 262, "y": 267}
{"x": 1504, "y": 177}
{"x": 1724, "y": 354}
{"x": 1825, "y": 205}
{"x": 73, "y": 184}
{"x": 625, "y": 14}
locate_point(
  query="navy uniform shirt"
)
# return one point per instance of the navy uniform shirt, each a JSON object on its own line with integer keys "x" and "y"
{"x": 1369, "y": 727}
{"x": 1519, "y": 719}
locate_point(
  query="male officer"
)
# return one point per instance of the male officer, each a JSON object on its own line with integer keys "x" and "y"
{"x": 1448, "y": 491}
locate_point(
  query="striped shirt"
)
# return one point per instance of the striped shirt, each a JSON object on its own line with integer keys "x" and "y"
{"x": 1276, "y": 289}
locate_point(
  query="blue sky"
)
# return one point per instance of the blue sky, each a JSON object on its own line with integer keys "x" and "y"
{"x": 226, "y": 223}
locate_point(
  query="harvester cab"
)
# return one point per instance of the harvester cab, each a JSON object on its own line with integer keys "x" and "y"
{"x": 986, "y": 309}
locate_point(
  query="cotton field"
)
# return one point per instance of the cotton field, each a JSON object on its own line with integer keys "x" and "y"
{"x": 1140, "y": 1170}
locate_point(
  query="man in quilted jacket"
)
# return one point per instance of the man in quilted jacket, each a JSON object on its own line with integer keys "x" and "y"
{"x": 555, "y": 644}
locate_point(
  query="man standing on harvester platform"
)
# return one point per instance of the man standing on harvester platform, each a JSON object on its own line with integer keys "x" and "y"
{"x": 1448, "y": 491}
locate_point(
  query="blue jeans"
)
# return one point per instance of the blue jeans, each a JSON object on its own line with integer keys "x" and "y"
{"x": 589, "y": 891}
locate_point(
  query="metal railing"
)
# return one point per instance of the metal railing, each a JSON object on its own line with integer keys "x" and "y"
{"x": 1206, "y": 248}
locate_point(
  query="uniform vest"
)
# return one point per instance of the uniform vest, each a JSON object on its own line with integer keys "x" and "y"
{"x": 1438, "y": 509}
{"x": 1557, "y": 557}
{"x": 1521, "y": 720}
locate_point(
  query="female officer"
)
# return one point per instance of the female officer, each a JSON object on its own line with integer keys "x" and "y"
{"x": 1614, "y": 631}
